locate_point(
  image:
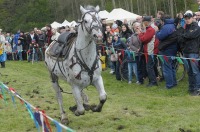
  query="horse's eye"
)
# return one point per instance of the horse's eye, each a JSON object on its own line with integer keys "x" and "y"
{"x": 85, "y": 21}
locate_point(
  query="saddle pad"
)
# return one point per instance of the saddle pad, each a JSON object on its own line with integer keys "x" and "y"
{"x": 60, "y": 51}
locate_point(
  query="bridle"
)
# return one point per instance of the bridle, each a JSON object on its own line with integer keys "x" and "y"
{"x": 80, "y": 59}
{"x": 94, "y": 19}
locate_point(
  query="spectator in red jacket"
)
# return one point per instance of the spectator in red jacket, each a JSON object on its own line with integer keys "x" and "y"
{"x": 150, "y": 46}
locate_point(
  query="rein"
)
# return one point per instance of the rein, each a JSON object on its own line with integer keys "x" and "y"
{"x": 80, "y": 59}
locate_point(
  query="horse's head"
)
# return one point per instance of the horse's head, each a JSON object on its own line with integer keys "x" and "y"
{"x": 90, "y": 22}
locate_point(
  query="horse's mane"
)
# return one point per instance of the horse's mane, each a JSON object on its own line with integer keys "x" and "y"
{"x": 90, "y": 8}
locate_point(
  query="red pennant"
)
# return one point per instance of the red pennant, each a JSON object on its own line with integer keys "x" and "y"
{"x": 1, "y": 96}
{"x": 122, "y": 51}
{"x": 46, "y": 120}
{"x": 166, "y": 58}
{"x": 21, "y": 101}
{"x": 12, "y": 89}
{"x": 103, "y": 49}
{"x": 193, "y": 60}
{"x": 146, "y": 57}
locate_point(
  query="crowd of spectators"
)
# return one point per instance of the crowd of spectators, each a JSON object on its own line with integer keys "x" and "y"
{"x": 146, "y": 38}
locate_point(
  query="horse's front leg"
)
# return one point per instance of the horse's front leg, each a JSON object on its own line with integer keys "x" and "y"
{"x": 102, "y": 95}
{"x": 59, "y": 97}
{"x": 78, "y": 98}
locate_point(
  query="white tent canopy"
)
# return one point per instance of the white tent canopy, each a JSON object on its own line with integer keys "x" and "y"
{"x": 121, "y": 14}
{"x": 72, "y": 24}
{"x": 65, "y": 23}
{"x": 103, "y": 14}
{"x": 56, "y": 24}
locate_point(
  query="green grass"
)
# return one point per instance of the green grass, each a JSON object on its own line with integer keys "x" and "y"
{"x": 128, "y": 108}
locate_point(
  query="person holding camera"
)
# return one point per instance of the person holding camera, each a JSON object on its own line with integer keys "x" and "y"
{"x": 190, "y": 45}
{"x": 150, "y": 46}
{"x": 168, "y": 47}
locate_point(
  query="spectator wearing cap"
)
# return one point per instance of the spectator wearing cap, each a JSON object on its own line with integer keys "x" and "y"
{"x": 150, "y": 43}
{"x": 170, "y": 49}
{"x": 119, "y": 46}
{"x": 2, "y": 52}
{"x": 190, "y": 44}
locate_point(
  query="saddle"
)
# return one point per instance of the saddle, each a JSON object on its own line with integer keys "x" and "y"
{"x": 59, "y": 49}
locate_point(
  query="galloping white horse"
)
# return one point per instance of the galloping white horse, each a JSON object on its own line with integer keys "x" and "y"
{"x": 82, "y": 67}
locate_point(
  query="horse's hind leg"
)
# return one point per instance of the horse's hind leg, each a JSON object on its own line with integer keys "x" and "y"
{"x": 56, "y": 87}
{"x": 78, "y": 98}
{"x": 85, "y": 101}
{"x": 102, "y": 95}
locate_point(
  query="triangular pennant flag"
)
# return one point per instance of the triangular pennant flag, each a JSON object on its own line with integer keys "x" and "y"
{"x": 193, "y": 60}
{"x": 58, "y": 127}
{"x": 166, "y": 58}
{"x": 113, "y": 50}
{"x": 46, "y": 121}
{"x": 128, "y": 53}
{"x": 122, "y": 51}
{"x": 3, "y": 93}
{"x": 133, "y": 55}
{"x": 32, "y": 116}
{"x": 179, "y": 60}
{"x": 37, "y": 116}
{"x": 161, "y": 58}
{"x": 107, "y": 51}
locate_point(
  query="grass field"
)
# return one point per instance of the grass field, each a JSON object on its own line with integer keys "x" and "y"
{"x": 129, "y": 108}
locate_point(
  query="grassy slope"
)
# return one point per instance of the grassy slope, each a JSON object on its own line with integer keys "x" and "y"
{"x": 128, "y": 108}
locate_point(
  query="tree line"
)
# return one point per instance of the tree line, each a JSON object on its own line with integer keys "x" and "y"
{"x": 26, "y": 14}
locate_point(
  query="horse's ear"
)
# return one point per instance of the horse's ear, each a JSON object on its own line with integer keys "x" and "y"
{"x": 97, "y": 8}
{"x": 83, "y": 11}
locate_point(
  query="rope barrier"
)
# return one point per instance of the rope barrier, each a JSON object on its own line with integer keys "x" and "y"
{"x": 12, "y": 90}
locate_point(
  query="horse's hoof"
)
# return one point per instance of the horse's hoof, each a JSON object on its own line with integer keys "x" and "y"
{"x": 78, "y": 113}
{"x": 65, "y": 121}
{"x": 95, "y": 108}
{"x": 87, "y": 107}
{"x": 73, "y": 108}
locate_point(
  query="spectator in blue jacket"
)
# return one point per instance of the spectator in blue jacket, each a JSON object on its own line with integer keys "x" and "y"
{"x": 170, "y": 49}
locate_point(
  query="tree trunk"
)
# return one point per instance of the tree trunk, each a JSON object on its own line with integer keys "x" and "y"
{"x": 155, "y": 6}
{"x": 138, "y": 6}
{"x": 114, "y": 4}
{"x": 185, "y": 3}
{"x": 175, "y": 6}
{"x": 131, "y": 5}
{"x": 77, "y": 9}
{"x": 172, "y": 8}
{"x": 103, "y": 4}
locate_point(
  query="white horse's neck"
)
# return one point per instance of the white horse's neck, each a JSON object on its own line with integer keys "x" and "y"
{"x": 88, "y": 47}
